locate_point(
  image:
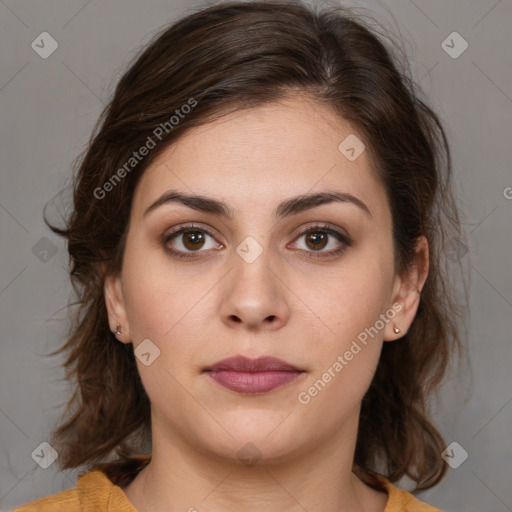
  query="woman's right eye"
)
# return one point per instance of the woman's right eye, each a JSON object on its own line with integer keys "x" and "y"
{"x": 187, "y": 240}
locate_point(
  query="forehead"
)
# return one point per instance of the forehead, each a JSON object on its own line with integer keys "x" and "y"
{"x": 264, "y": 154}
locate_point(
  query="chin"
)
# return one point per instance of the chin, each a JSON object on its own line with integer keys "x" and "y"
{"x": 269, "y": 440}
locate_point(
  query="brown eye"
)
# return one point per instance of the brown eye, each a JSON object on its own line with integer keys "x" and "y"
{"x": 193, "y": 240}
{"x": 318, "y": 237}
{"x": 189, "y": 241}
{"x": 316, "y": 240}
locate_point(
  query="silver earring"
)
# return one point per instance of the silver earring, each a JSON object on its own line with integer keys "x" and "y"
{"x": 117, "y": 332}
{"x": 396, "y": 330}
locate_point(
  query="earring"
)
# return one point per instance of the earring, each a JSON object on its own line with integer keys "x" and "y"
{"x": 117, "y": 332}
{"x": 396, "y": 330}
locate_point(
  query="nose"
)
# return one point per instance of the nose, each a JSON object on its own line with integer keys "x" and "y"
{"x": 255, "y": 296}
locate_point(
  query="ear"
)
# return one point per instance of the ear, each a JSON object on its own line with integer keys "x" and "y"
{"x": 114, "y": 301}
{"x": 407, "y": 289}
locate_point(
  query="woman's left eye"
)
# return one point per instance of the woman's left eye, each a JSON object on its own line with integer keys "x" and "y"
{"x": 192, "y": 239}
{"x": 318, "y": 237}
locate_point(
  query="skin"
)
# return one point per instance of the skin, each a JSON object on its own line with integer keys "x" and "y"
{"x": 302, "y": 310}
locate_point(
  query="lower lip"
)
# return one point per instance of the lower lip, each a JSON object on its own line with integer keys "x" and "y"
{"x": 253, "y": 382}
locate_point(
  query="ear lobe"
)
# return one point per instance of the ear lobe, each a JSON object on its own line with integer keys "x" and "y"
{"x": 408, "y": 293}
{"x": 114, "y": 301}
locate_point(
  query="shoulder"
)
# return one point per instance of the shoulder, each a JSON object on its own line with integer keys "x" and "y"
{"x": 400, "y": 500}
{"x": 65, "y": 500}
{"x": 94, "y": 492}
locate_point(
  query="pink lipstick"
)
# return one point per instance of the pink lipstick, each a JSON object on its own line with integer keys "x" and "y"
{"x": 253, "y": 376}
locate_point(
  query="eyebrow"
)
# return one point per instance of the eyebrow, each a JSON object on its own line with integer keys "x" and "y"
{"x": 287, "y": 208}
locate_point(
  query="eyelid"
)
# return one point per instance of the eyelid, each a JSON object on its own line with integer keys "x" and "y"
{"x": 185, "y": 227}
{"x": 325, "y": 226}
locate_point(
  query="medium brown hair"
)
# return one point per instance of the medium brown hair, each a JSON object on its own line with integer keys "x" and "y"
{"x": 238, "y": 55}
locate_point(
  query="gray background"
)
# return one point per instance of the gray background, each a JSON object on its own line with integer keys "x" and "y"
{"x": 48, "y": 107}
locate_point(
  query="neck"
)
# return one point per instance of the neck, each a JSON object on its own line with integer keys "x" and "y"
{"x": 180, "y": 477}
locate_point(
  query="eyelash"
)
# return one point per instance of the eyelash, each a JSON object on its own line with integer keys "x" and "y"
{"x": 323, "y": 228}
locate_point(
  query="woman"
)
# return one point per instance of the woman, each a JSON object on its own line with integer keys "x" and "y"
{"x": 263, "y": 304}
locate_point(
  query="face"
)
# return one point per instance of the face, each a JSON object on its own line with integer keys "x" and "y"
{"x": 303, "y": 283}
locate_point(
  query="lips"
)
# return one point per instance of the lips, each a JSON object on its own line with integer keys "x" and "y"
{"x": 244, "y": 364}
{"x": 251, "y": 376}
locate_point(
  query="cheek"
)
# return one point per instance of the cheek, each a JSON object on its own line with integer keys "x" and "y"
{"x": 347, "y": 346}
{"x": 335, "y": 393}
{"x": 349, "y": 301}
{"x": 161, "y": 307}
{"x": 148, "y": 297}
{"x": 167, "y": 306}
{"x": 348, "y": 339}
{"x": 155, "y": 294}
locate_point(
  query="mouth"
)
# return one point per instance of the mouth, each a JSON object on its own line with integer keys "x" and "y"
{"x": 253, "y": 376}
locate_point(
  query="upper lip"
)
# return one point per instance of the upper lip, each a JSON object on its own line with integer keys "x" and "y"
{"x": 244, "y": 364}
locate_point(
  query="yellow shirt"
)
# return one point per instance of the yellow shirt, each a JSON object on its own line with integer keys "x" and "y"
{"x": 95, "y": 492}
